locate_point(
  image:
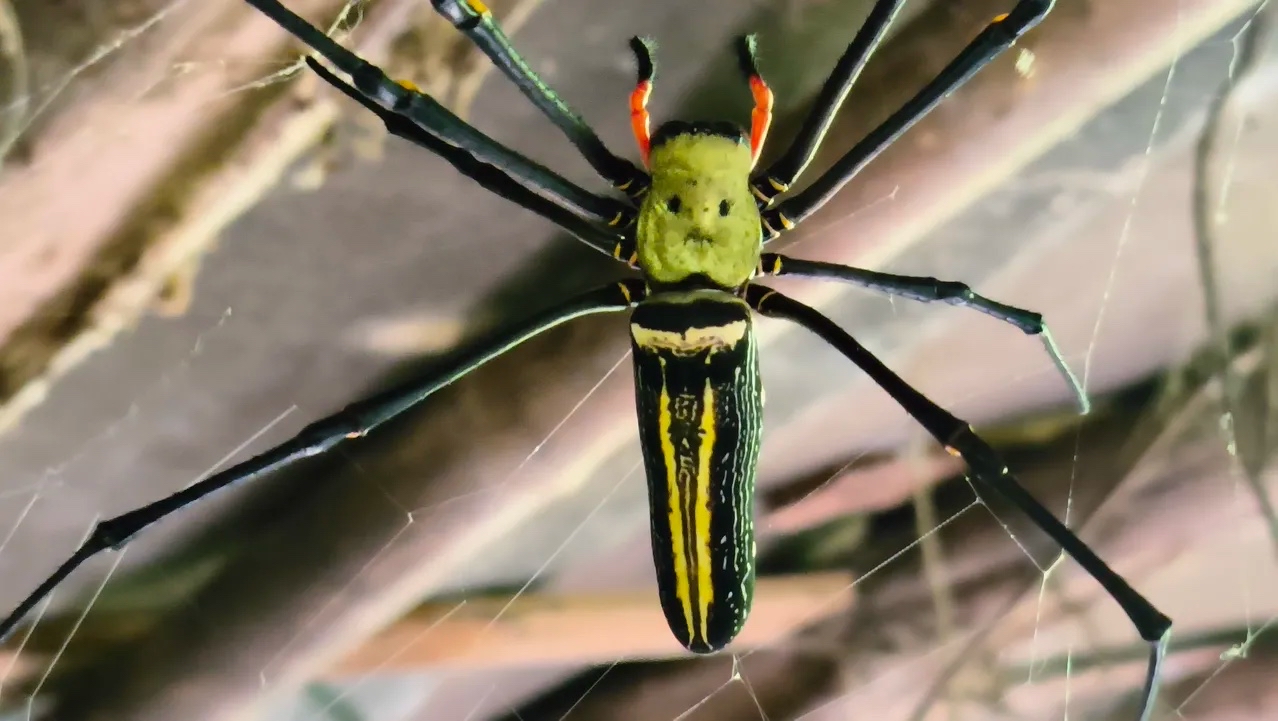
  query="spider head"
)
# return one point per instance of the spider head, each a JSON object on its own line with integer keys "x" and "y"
{"x": 699, "y": 217}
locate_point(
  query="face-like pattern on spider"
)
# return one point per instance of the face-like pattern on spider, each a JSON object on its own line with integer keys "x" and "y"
{"x": 699, "y": 217}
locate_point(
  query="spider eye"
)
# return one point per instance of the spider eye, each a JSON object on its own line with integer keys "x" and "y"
{"x": 724, "y": 207}
{"x": 673, "y": 204}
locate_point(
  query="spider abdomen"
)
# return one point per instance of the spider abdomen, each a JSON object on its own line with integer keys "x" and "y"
{"x": 699, "y": 400}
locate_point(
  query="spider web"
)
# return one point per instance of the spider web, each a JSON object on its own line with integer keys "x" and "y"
{"x": 314, "y": 298}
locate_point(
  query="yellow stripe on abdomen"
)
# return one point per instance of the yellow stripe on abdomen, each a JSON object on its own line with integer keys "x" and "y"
{"x": 674, "y": 501}
{"x": 705, "y": 584}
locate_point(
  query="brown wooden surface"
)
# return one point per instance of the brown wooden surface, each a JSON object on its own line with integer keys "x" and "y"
{"x": 496, "y": 632}
{"x": 527, "y": 470}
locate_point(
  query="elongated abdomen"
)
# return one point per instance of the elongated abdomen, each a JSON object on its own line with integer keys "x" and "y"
{"x": 700, "y": 406}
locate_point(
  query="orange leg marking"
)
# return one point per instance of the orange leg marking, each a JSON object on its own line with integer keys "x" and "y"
{"x": 639, "y": 117}
{"x": 761, "y": 116}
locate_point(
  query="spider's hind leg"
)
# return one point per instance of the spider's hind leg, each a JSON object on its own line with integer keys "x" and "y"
{"x": 988, "y": 470}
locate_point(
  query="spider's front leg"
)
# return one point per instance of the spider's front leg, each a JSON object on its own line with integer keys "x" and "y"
{"x": 420, "y": 119}
{"x": 998, "y": 36}
{"x": 781, "y": 174}
{"x": 473, "y": 18}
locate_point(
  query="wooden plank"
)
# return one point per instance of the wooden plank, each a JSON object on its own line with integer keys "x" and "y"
{"x": 530, "y": 629}
{"x": 538, "y": 629}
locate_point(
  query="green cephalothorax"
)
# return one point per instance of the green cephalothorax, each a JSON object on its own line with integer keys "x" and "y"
{"x": 699, "y": 217}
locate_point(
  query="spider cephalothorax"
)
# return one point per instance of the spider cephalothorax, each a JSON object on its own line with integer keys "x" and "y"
{"x": 699, "y": 217}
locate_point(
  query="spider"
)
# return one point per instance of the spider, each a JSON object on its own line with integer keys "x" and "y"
{"x": 693, "y": 221}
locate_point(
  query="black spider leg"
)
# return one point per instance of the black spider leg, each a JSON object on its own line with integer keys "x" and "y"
{"x": 777, "y": 178}
{"x": 353, "y": 421}
{"x": 474, "y": 19}
{"x": 428, "y": 114}
{"x": 927, "y": 289}
{"x": 988, "y": 470}
{"x": 490, "y": 178}
{"x": 992, "y": 41}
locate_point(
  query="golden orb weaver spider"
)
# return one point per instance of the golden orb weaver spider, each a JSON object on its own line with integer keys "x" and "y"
{"x": 694, "y": 221}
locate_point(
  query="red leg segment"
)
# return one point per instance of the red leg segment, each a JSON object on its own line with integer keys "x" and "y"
{"x": 639, "y": 122}
{"x": 761, "y": 117}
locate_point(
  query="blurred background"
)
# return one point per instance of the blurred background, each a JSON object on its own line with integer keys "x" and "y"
{"x": 203, "y": 248}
